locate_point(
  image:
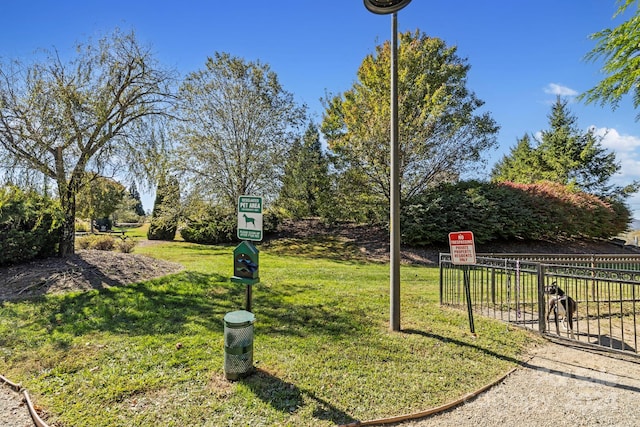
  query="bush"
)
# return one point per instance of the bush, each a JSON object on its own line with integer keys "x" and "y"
{"x": 160, "y": 230}
{"x": 83, "y": 242}
{"x": 166, "y": 210}
{"x": 125, "y": 246}
{"x": 82, "y": 226}
{"x": 213, "y": 224}
{"x": 210, "y": 225}
{"x": 30, "y": 226}
{"x": 102, "y": 242}
{"x": 503, "y": 211}
{"x": 98, "y": 242}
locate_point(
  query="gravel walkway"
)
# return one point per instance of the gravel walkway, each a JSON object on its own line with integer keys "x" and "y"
{"x": 559, "y": 386}
{"x": 13, "y": 411}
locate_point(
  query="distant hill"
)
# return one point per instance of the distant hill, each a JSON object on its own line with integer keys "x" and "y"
{"x": 635, "y": 224}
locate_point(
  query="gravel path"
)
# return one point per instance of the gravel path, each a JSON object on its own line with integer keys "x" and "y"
{"x": 559, "y": 386}
{"x": 13, "y": 411}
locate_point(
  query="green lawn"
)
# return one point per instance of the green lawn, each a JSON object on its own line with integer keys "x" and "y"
{"x": 323, "y": 350}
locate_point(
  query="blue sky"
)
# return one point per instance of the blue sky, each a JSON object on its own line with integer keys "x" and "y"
{"x": 522, "y": 53}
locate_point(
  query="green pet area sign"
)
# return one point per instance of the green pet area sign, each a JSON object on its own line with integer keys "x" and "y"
{"x": 250, "y": 218}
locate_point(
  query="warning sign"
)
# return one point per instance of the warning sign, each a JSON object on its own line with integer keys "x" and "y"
{"x": 462, "y": 247}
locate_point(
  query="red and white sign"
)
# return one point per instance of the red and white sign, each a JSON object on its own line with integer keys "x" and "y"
{"x": 462, "y": 247}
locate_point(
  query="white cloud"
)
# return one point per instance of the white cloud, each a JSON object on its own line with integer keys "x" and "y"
{"x": 612, "y": 140}
{"x": 556, "y": 89}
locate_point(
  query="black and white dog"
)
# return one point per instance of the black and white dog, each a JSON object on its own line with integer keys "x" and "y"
{"x": 561, "y": 305}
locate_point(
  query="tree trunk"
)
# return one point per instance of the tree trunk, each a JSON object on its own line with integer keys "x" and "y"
{"x": 67, "y": 241}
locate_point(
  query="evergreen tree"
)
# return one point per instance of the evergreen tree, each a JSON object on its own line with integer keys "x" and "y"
{"x": 521, "y": 165}
{"x": 564, "y": 155}
{"x": 305, "y": 188}
{"x": 135, "y": 195}
{"x": 166, "y": 210}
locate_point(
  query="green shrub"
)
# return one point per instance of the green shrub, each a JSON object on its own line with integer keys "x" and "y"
{"x": 213, "y": 224}
{"x": 103, "y": 243}
{"x": 82, "y": 226}
{"x": 166, "y": 210}
{"x": 125, "y": 246}
{"x": 503, "y": 211}
{"x": 83, "y": 242}
{"x": 30, "y": 226}
{"x": 210, "y": 225}
{"x": 161, "y": 230}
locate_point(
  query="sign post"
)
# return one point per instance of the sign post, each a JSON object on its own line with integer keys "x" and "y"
{"x": 246, "y": 255}
{"x": 463, "y": 252}
{"x": 250, "y": 218}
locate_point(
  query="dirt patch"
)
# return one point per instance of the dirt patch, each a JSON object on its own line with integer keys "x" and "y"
{"x": 85, "y": 270}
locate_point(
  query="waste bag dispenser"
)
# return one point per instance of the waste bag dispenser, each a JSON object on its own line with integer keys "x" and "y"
{"x": 238, "y": 344}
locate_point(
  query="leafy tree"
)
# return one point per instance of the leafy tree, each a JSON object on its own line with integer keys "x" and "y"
{"x": 99, "y": 198}
{"x": 237, "y": 125}
{"x": 564, "y": 155}
{"x": 439, "y": 126}
{"x": 62, "y": 119}
{"x": 135, "y": 195}
{"x": 306, "y": 184}
{"x": 618, "y": 47}
{"x": 166, "y": 210}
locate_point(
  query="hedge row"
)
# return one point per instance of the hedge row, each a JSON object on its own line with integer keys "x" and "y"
{"x": 504, "y": 211}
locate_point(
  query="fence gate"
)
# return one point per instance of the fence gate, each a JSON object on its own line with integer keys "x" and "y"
{"x": 511, "y": 289}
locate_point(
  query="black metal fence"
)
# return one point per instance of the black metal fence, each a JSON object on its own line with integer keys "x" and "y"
{"x": 511, "y": 288}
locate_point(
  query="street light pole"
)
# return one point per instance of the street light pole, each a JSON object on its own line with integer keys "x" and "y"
{"x": 392, "y": 7}
{"x": 394, "y": 220}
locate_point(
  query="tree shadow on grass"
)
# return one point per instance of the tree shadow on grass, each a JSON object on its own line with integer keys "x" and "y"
{"x": 318, "y": 247}
{"x": 462, "y": 344}
{"x": 288, "y": 398}
{"x": 159, "y": 306}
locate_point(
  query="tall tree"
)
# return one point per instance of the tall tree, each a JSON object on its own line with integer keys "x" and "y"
{"x": 237, "y": 126}
{"x": 564, "y": 155}
{"x": 441, "y": 132}
{"x": 64, "y": 118}
{"x": 619, "y": 48}
{"x": 166, "y": 209}
{"x": 306, "y": 185}
{"x": 521, "y": 165}
{"x": 135, "y": 195}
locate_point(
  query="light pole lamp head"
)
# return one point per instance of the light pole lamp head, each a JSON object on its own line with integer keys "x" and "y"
{"x": 385, "y": 7}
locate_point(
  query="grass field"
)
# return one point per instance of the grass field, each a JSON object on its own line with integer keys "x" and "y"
{"x": 152, "y": 353}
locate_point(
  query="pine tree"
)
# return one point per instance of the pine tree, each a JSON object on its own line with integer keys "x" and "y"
{"x": 564, "y": 155}
{"x": 166, "y": 210}
{"x": 305, "y": 190}
{"x": 135, "y": 195}
{"x": 521, "y": 165}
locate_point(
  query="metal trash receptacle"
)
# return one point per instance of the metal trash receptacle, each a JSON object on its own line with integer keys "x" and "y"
{"x": 238, "y": 344}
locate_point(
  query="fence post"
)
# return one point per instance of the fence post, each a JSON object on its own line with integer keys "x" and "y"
{"x": 493, "y": 285}
{"x": 441, "y": 281}
{"x": 542, "y": 323}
